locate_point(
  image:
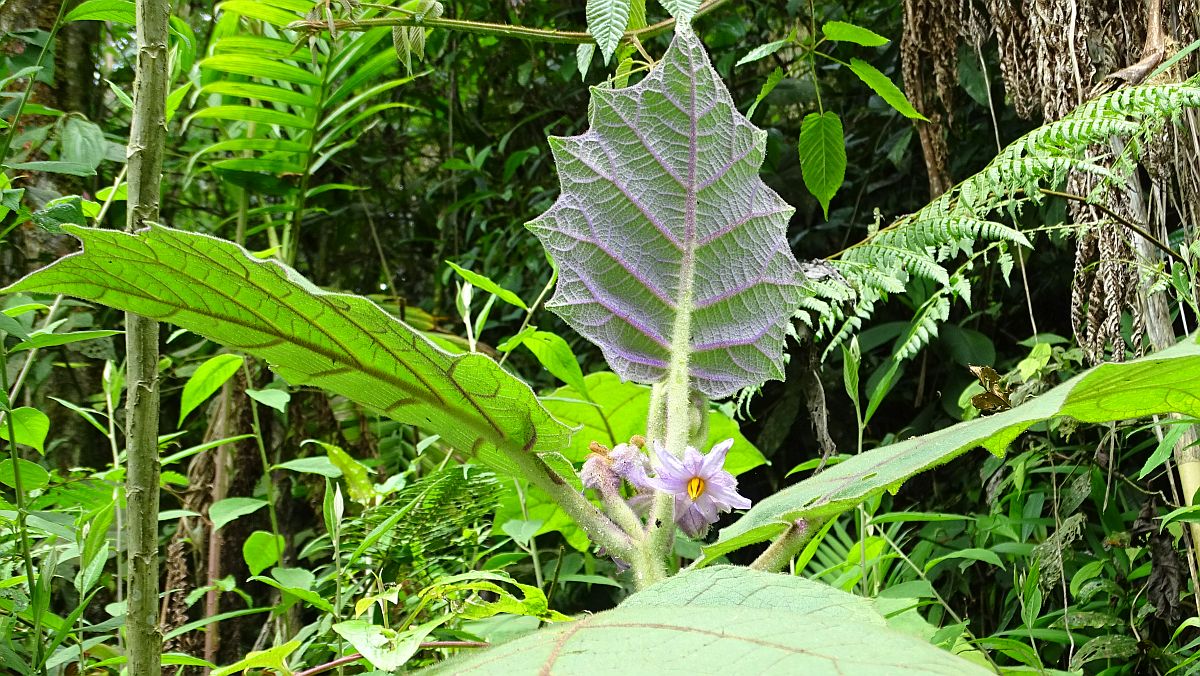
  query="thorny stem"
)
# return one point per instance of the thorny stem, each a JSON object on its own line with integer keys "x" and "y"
{"x": 496, "y": 29}
{"x": 787, "y": 545}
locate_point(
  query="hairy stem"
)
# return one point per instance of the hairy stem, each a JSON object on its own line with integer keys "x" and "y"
{"x": 497, "y": 29}
{"x": 786, "y": 546}
{"x": 147, "y": 135}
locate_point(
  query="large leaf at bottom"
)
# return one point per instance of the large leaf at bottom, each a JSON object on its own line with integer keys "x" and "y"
{"x": 665, "y": 237}
{"x": 1166, "y": 382}
{"x": 722, "y": 620}
{"x": 342, "y": 343}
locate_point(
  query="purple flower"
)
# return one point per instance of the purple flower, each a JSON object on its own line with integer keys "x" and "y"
{"x": 700, "y": 485}
{"x": 598, "y": 473}
{"x": 629, "y": 462}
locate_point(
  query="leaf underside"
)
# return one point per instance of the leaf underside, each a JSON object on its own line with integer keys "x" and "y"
{"x": 1166, "y": 382}
{"x": 661, "y": 196}
{"x": 342, "y": 343}
{"x": 722, "y": 620}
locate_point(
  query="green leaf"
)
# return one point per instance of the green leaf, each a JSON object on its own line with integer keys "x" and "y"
{"x": 261, "y": 550}
{"x": 40, "y": 340}
{"x": 555, "y": 354}
{"x": 31, "y": 427}
{"x": 658, "y": 195}
{"x": 1163, "y": 451}
{"x": 60, "y": 212}
{"x": 358, "y": 476}
{"x": 12, "y": 327}
{"x": 681, "y": 10}
{"x": 33, "y": 476}
{"x": 253, "y": 114}
{"x": 207, "y": 379}
{"x": 260, "y": 66}
{"x": 482, "y": 282}
{"x": 583, "y": 58}
{"x": 316, "y": 465}
{"x": 970, "y": 554}
{"x": 822, "y": 149}
{"x": 763, "y": 51}
{"x": 722, "y": 620}
{"x": 276, "y": 399}
{"x": 884, "y": 87}
{"x": 1161, "y": 383}
{"x": 624, "y": 405}
{"x": 840, "y": 31}
{"x": 257, "y": 9}
{"x": 343, "y": 343}
{"x": 224, "y": 511}
{"x": 606, "y": 21}
{"x": 386, "y": 649}
{"x": 54, "y": 167}
{"x": 82, "y": 142}
{"x": 273, "y": 659}
{"x": 120, "y": 11}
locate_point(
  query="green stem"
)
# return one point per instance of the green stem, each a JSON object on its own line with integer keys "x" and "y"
{"x": 787, "y": 545}
{"x": 18, "y": 486}
{"x": 262, "y": 454}
{"x": 497, "y": 29}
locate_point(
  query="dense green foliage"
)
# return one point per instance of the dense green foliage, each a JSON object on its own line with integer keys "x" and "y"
{"x": 384, "y": 403}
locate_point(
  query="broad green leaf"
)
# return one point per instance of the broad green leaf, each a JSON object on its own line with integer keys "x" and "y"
{"x": 276, "y": 399}
{"x": 261, "y": 550}
{"x": 82, "y": 142}
{"x": 207, "y": 379}
{"x": 483, "y": 282}
{"x": 386, "y": 649}
{"x": 120, "y": 11}
{"x": 664, "y": 226}
{"x": 12, "y": 327}
{"x": 822, "y": 149}
{"x": 717, "y": 621}
{"x": 60, "y": 212}
{"x": 606, "y": 21}
{"x": 624, "y": 406}
{"x": 33, "y": 476}
{"x": 553, "y": 352}
{"x": 583, "y": 58}
{"x": 30, "y": 425}
{"x": 343, "y": 343}
{"x": 888, "y": 91}
{"x": 840, "y": 31}
{"x": 763, "y": 51}
{"x": 1165, "y": 382}
{"x": 224, "y": 511}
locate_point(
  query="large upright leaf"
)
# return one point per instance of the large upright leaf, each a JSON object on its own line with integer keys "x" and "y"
{"x": 1166, "y": 382}
{"x": 345, "y": 344}
{"x": 722, "y": 620}
{"x": 663, "y": 225}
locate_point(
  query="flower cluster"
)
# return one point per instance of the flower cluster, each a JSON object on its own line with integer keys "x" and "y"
{"x": 698, "y": 483}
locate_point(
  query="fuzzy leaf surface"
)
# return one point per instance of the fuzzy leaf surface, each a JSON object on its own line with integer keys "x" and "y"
{"x": 718, "y": 621}
{"x": 343, "y": 343}
{"x": 1165, "y": 382}
{"x": 663, "y": 224}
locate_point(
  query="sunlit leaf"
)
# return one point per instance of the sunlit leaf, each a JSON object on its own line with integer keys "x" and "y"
{"x": 722, "y": 620}
{"x": 841, "y": 31}
{"x": 606, "y": 21}
{"x": 343, "y": 343}
{"x": 31, "y": 427}
{"x": 224, "y": 511}
{"x": 1164, "y": 382}
{"x": 888, "y": 91}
